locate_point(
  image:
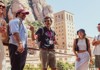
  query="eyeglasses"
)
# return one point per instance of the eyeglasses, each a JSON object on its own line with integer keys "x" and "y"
{"x": 2, "y": 6}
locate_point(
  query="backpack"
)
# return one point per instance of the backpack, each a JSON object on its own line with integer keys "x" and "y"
{"x": 76, "y": 46}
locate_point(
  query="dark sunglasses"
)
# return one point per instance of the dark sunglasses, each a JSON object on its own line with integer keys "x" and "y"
{"x": 2, "y": 6}
{"x": 47, "y": 20}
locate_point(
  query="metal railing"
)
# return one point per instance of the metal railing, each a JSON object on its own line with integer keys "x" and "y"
{"x": 91, "y": 67}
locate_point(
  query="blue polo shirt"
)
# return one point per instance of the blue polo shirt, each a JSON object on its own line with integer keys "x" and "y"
{"x": 17, "y": 26}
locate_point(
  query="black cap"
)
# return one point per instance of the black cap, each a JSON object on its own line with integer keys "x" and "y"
{"x": 81, "y": 30}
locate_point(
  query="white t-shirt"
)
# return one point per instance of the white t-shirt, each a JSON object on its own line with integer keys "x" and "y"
{"x": 97, "y": 48}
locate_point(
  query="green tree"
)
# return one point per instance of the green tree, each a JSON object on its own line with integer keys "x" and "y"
{"x": 60, "y": 65}
{"x": 29, "y": 67}
{"x": 64, "y": 66}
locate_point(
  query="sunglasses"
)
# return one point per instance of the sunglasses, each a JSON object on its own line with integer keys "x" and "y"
{"x": 2, "y": 6}
{"x": 47, "y": 20}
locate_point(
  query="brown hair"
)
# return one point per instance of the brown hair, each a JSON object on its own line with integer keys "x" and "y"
{"x": 98, "y": 23}
{"x": 47, "y": 18}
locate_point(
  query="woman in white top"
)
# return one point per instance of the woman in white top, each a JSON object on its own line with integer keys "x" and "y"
{"x": 2, "y": 34}
{"x": 81, "y": 48}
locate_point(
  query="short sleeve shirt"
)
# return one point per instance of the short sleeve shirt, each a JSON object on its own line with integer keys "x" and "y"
{"x": 17, "y": 26}
{"x": 45, "y": 37}
{"x": 97, "y": 48}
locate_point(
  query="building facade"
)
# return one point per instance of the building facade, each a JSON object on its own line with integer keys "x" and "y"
{"x": 65, "y": 32}
{"x": 64, "y": 28}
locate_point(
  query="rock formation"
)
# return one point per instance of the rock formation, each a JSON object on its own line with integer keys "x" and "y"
{"x": 38, "y": 9}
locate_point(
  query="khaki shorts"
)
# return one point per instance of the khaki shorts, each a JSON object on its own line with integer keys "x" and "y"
{"x": 48, "y": 58}
{"x": 97, "y": 61}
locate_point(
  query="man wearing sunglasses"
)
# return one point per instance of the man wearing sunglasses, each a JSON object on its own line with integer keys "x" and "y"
{"x": 46, "y": 37}
{"x": 18, "y": 40}
{"x": 2, "y": 35}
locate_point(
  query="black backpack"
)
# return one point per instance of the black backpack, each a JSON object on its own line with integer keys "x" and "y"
{"x": 76, "y": 46}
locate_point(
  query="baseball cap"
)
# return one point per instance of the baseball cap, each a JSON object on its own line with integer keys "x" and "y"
{"x": 22, "y": 11}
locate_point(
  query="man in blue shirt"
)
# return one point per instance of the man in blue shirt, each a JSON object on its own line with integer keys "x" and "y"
{"x": 18, "y": 41}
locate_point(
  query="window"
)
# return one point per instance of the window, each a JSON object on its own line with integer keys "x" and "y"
{"x": 55, "y": 18}
{"x": 59, "y": 30}
{"x": 58, "y": 16}
{"x": 56, "y": 27}
{"x": 67, "y": 16}
{"x": 62, "y": 16}
{"x": 63, "y": 43}
{"x": 71, "y": 18}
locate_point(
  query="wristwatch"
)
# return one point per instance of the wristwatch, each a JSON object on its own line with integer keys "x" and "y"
{"x": 20, "y": 42}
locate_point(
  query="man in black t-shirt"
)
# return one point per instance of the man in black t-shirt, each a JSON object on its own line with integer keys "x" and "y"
{"x": 46, "y": 38}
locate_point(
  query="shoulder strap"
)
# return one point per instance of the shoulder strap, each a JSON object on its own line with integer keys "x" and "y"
{"x": 87, "y": 43}
{"x": 19, "y": 23}
{"x": 42, "y": 30}
{"x": 76, "y": 41}
{"x": 76, "y": 46}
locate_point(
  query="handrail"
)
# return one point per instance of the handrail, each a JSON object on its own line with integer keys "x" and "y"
{"x": 55, "y": 52}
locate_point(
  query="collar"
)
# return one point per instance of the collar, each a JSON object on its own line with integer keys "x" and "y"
{"x": 20, "y": 19}
{"x": 47, "y": 28}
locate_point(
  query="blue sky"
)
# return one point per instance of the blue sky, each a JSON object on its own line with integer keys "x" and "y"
{"x": 86, "y": 13}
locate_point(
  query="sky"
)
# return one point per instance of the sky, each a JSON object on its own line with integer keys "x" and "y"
{"x": 86, "y": 13}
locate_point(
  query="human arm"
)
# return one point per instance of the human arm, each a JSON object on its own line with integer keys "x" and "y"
{"x": 96, "y": 41}
{"x": 89, "y": 50}
{"x": 36, "y": 35}
{"x": 14, "y": 29}
{"x": 75, "y": 52}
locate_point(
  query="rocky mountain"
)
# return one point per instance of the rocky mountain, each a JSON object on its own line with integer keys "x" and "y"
{"x": 38, "y": 9}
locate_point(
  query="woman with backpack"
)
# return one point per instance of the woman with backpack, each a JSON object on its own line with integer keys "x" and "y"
{"x": 82, "y": 51}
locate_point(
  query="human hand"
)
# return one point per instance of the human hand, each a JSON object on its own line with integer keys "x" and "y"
{"x": 95, "y": 43}
{"x": 32, "y": 28}
{"x": 78, "y": 59}
{"x": 20, "y": 48}
{"x": 91, "y": 60}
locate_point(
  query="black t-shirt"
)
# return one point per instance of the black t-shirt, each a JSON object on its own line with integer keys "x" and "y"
{"x": 46, "y": 38}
